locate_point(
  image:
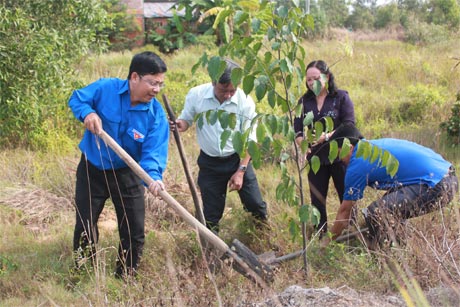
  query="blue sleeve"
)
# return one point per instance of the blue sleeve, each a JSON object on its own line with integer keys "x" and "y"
{"x": 155, "y": 148}
{"x": 82, "y": 101}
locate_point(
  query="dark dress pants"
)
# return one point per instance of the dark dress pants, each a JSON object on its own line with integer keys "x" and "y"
{"x": 213, "y": 178}
{"x": 93, "y": 188}
{"x": 319, "y": 186}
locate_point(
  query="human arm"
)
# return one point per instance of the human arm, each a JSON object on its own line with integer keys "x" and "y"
{"x": 83, "y": 103}
{"x": 343, "y": 218}
{"x": 347, "y": 109}
{"x": 341, "y": 221}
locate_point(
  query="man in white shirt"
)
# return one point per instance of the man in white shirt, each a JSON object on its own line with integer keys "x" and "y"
{"x": 220, "y": 167}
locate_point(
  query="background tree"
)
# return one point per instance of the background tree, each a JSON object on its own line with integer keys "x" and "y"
{"x": 37, "y": 51}
{"x": 336, "y": 11}
{"x": 123, "y": 31}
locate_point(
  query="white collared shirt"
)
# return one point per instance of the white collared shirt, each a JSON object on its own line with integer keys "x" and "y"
{"x": 201, "y": 99}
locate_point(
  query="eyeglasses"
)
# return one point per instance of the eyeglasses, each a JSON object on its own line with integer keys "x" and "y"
{"x": 153, "y": 84}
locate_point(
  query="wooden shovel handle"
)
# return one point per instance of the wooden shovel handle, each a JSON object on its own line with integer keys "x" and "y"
{"x": 196, "y": 200}
{"x": 207, "y": 234}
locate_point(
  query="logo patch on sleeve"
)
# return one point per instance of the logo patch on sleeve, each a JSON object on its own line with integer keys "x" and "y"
{"x": 137, "y": 135}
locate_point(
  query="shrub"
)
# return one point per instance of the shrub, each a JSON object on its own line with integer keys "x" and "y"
{"x": 38, "y": 50}
{"x": 422, "y": 33}
{"x": 452, "y": 125}
{"x": 421, "y": 103}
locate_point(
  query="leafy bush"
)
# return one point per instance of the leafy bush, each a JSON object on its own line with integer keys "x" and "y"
{"x": 38, "y": 50}
{"x": 421, "y": 103}
{"x": 422, "y": 33}
{"x": 452, "y": 125}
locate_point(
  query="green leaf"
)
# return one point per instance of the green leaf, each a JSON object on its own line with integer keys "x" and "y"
{"x": 248, "y": 84}
{"x": 261, "y": 90}
{"x": 345, "y": 150}
{"x": 261, "y": 132}
{"x": 385, "y": 157}
{"x": 255, "y": 24}
{"x": 282, "y": 11}
{"x": 276, "y": 46}
{"x": 319, "y": 129}
{"x": 308, "y": 120}
{"x": 315, "y": 164}
{"x": 272, "y": 123}
{"x": 304, "y": 146}
{"x": 213, "y": 115}
{"x": 329, "y": 123}
{"x": 237, "y": 75}
{"x": 249, "y": 64}
{"x": 231, "y": 120}
{"x": 392, "y": 166}
{"x": 224, "y": 119}
{"x": 200, "y": 121}
{"x": 224, "y": 138}
{"x": 271, "y": 97}
{"x": 316, "y": 88}
{"x": 254, "y": 151}
{"x": 293, "y": 229}
{"x": 375, "y": 153}
{"x": 333, "y": 150}
{"x": 216, "y": 68}
{"x": 238, "y": 140}
{"x": 304, "y": 213}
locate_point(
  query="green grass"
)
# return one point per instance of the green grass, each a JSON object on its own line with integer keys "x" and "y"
{"x": 36, "y": 228}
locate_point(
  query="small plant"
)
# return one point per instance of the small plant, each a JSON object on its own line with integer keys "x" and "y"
{"x": 452, "y": 125}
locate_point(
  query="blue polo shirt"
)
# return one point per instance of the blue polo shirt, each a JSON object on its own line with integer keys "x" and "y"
{"x": 142, "y": 131}
{"x": 417, "y": 165}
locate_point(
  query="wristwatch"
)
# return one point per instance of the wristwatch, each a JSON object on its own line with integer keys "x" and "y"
{"x": 243, "y": 168}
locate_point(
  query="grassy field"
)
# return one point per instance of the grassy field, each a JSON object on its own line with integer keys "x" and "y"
{"x": 399, "y": 90}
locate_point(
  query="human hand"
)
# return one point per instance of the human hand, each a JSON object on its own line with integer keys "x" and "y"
{"x": 179, "y": 125}
{"x": 236, "y": 182}
{"x": 93, "y": 123}
{"x": 156, "y": 186}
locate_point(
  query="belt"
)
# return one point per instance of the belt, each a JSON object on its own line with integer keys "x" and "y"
{"x": 220, "y": 158}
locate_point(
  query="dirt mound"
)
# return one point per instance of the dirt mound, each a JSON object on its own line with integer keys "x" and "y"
{"x": 296, "y": 296}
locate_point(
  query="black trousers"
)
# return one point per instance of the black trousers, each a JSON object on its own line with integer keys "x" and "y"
{"x": 319, "y": 186}
{"x": 405, "y": 202}
{"x": 213, "y": 178}
{"x": 93, "y": 188}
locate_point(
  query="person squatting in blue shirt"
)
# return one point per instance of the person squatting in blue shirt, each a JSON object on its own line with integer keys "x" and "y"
{"x": 129, "y": 112}
{"x": 423, "y": 183}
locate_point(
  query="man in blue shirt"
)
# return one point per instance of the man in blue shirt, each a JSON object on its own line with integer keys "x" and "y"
{"x": 222, "y": 167}
{"x": 423, "y": 183}
{"x": 129, "y": 112}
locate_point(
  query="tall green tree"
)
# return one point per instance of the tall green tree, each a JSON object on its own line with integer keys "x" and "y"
{"x": 444, "y": 12}
{"x": 336, "y": 12}
{"x": 37, "y": 53}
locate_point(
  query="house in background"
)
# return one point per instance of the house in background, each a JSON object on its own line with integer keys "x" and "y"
{"x": 151, "y": 15}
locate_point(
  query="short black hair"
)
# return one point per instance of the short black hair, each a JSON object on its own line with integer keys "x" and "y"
{"x": 147, "y": 63}
{"x": 346, "y": 130}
